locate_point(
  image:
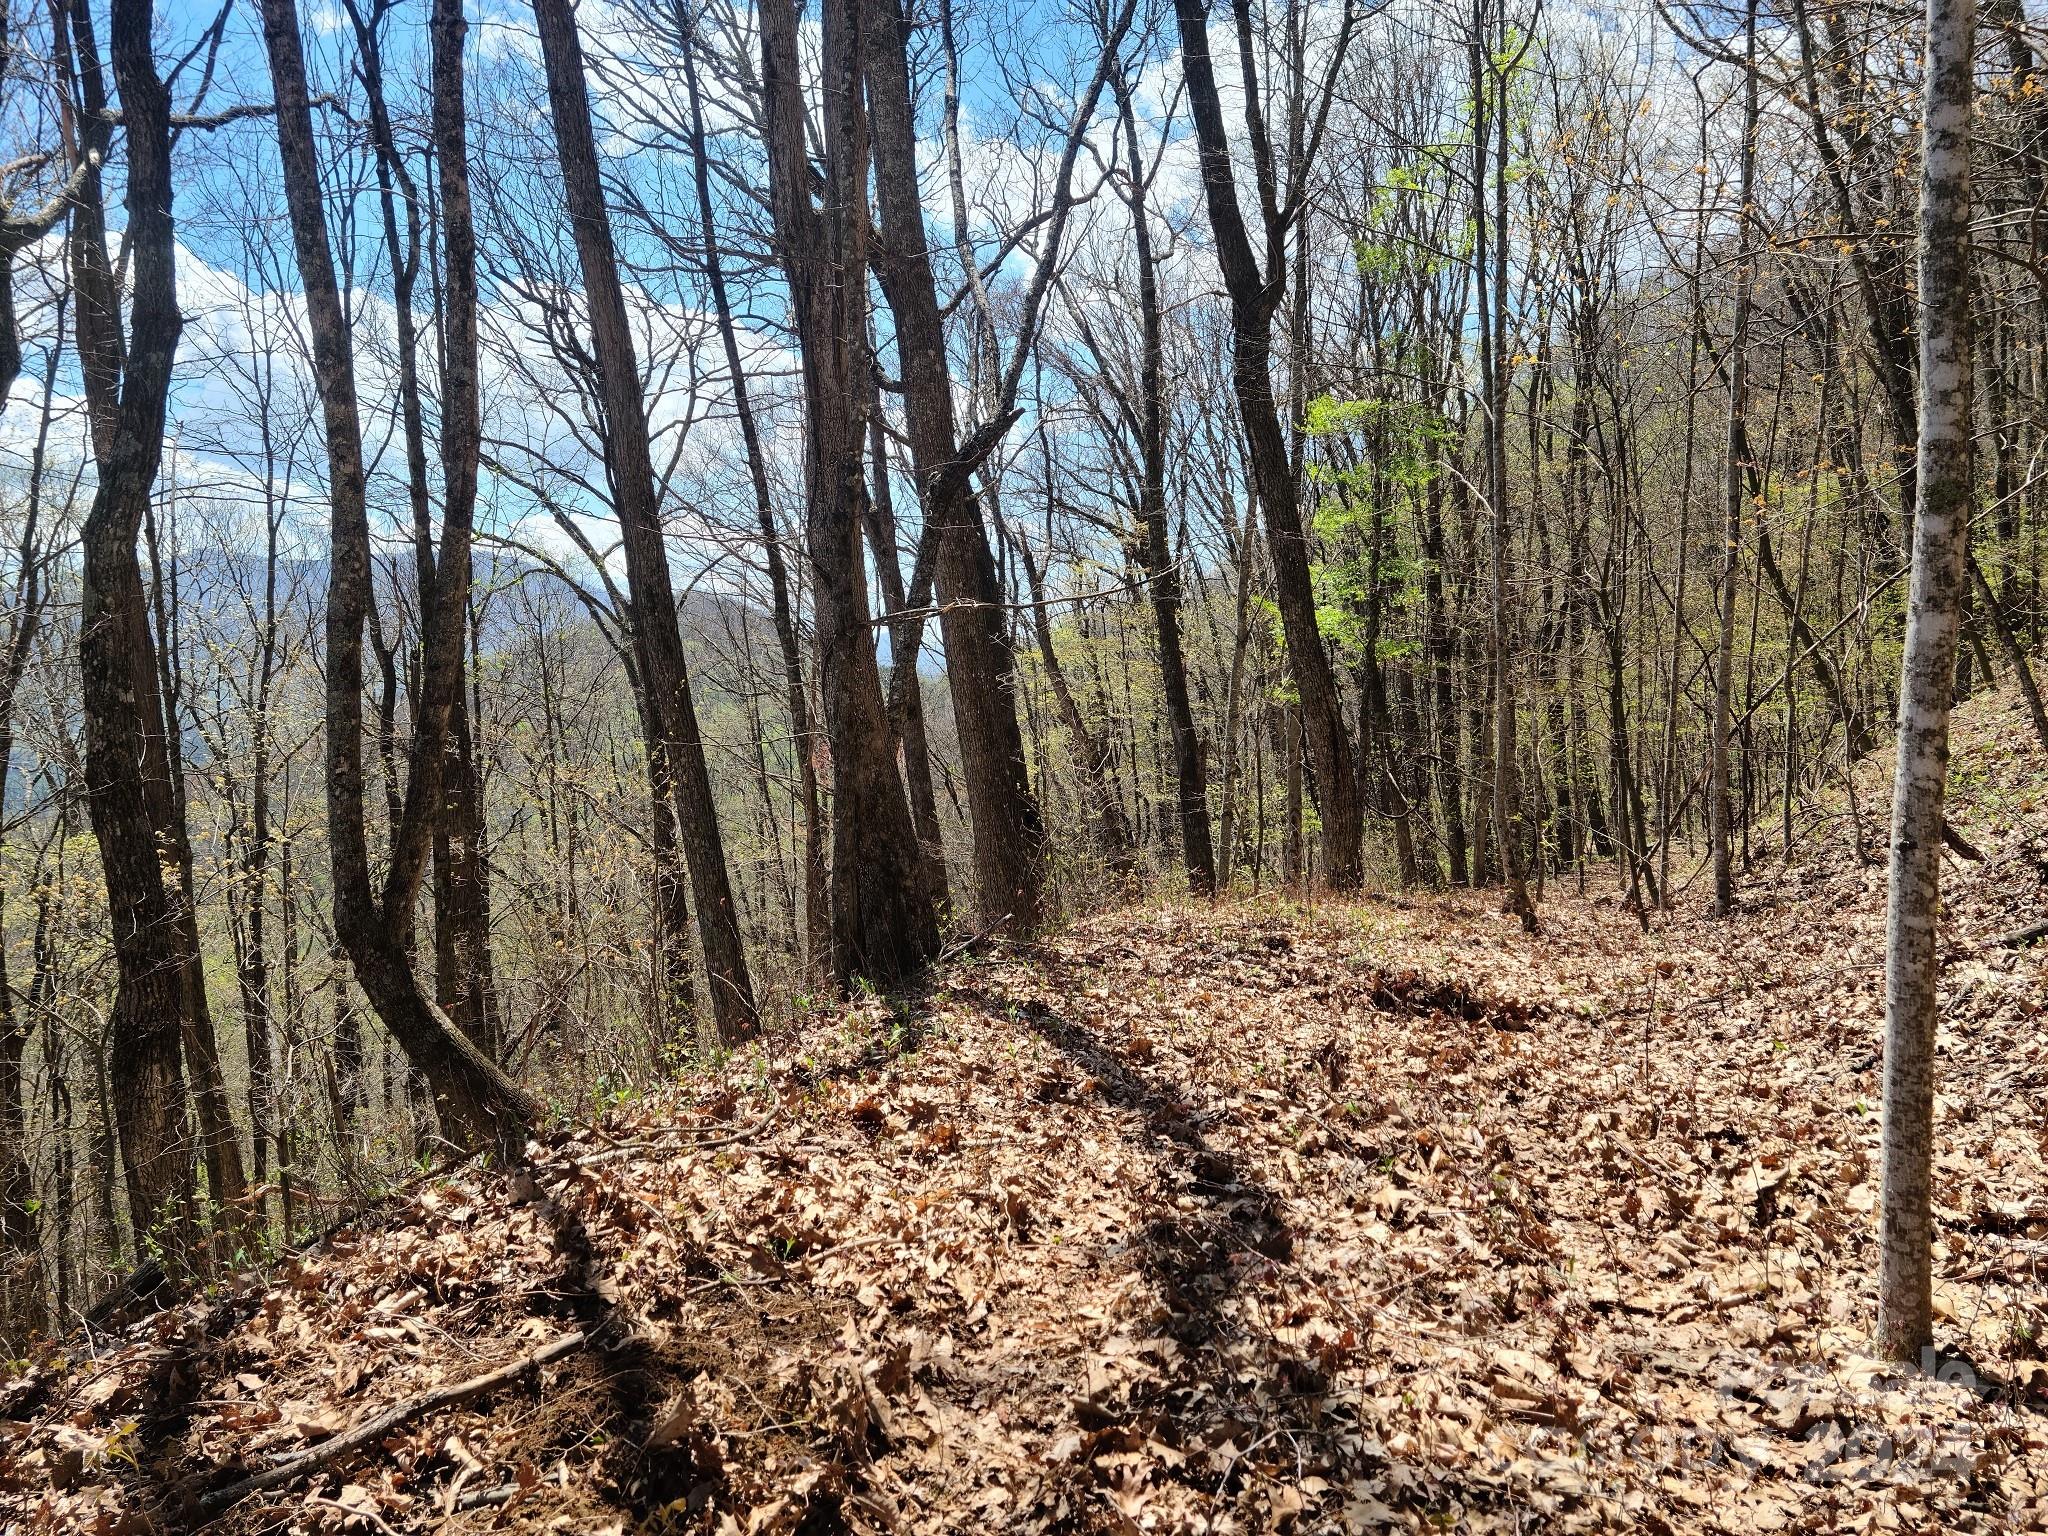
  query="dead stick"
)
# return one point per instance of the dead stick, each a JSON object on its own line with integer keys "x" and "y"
{"x": 373, "y": 1430}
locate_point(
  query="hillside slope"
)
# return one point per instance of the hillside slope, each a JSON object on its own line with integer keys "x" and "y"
{"x": 1188, "y": 1220}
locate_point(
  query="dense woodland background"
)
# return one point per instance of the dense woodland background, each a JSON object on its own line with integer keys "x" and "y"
{"x": 590, "y": 532}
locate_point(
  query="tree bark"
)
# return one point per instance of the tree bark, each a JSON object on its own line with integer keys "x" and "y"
{"x": 817, "y": 913}
{"x": 1155, "y": 547}
{"x": 478, "y": 1104}
{"x": 657, "y": 632}
{"x": 884, "y": 919}
{"x": 1489, "y": 266}
{"x": 1721, "y": 802}
{"x": 904, "y": 699}
{"x": 464, "y": 980}
{"x": 1009, "y": 835}
{"x": 1254, "y": 299}
{"x": 127, "y": 769}
{"x": 1112, "y": 827}
{"x": 24, "y": 1308}
{"x": 1926, "y": 685}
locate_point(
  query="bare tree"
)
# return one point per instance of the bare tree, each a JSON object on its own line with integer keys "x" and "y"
{"x": 884, "y": 913}
{"x": 158, "y": 1007}
{"x": 1941, "y": 534}
{"x": 657, "y": 633}
{"x": 479, "y": 1104}
{"x": 1256, "y": 286}
{"x": 817, "y": 925}
{"x": 1008, "y": 834}
{"x": 1736, "y": 484}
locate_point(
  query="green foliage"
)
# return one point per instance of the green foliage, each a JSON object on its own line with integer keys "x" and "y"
{"x": 1403, "y": 450}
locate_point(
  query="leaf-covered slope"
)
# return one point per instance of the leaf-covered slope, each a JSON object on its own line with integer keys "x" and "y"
{"x": 1195, "y": 1219}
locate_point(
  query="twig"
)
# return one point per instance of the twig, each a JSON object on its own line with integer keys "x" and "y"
{"x": 375, "y": 1429}
{"x": 356, "y": 1512}
{"x": 656, "y": 1141}
{"x": 484, "y": 1498}
{"x": 962, "y": 605}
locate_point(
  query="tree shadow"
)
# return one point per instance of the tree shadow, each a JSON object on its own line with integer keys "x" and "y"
{"x": 1198, "y": 1254}
{"x": 1199, "y": 1259}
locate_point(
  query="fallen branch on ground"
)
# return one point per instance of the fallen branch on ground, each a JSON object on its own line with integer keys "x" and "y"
{"x": 375, "y": 1429}
{"x": 2020, "y": 937}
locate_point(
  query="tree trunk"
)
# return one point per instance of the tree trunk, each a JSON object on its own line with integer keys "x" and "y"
{"x": 1254, "y": 298}
{"x": 1940, "y": 543}
{"x": 884, "y": 920}
{"x": 1489, "y": 265}
{"x": 1009, "y": 837}
{"x": 127, "y": 769}
{"x": 478, "y": 1103}
{"x": 2015, "y": 652}
{"x": 817, "y": 914}
{"x": 1112, "y": 827}
{"x": 24, "y": 1310}
{"x": 1155, "y": 549}
{"x": 657, "y": 633}
{"x": 906, "y": 642}
{"x": 1721, "y": 802}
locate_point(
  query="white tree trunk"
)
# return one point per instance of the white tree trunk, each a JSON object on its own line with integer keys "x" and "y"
{"x": 1927, "y": 682}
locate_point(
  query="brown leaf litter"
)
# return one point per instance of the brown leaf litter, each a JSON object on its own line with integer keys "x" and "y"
{"x": 1238, "y": 1219}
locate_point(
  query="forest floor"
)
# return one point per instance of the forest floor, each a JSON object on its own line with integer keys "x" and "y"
{"x": 1195, "y": 1219}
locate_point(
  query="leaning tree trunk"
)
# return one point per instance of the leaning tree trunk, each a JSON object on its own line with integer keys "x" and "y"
{"x": 1254, "y": 299}
{"x": 478, "y": 1104}
{"x": 1092, "y": 754}
{"x": 657, "y": 631}
{"x": 1926, "y": 685}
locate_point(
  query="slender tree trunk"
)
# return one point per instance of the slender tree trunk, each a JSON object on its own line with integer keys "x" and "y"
{"x": 1926, "y": 685}
{"x": 24, "y": 1311}
{"x": 1009, "y": 836}
{"x": 884, "y": 919}
{"x": 817, "y": 913}
{"x": 906, "y": 641}
{"x": 2015, "y": 653}
{"x": 657, "y": 632}
{"x": 1155, "y": 548}
{"x": 253, "y": 968}
{"x": 1490, "y": 280}
{"x": 478, "y": 1103}
{"x": 1721, "y": 802}
{"x": 1254, "y": 299}
{"x": 152, "y": 698}
{"x": 219, "y": 1145}
{"x": 1233, "y": 703}
{"x": 1112, "y": 827}
{"x": 465, "y": 984}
